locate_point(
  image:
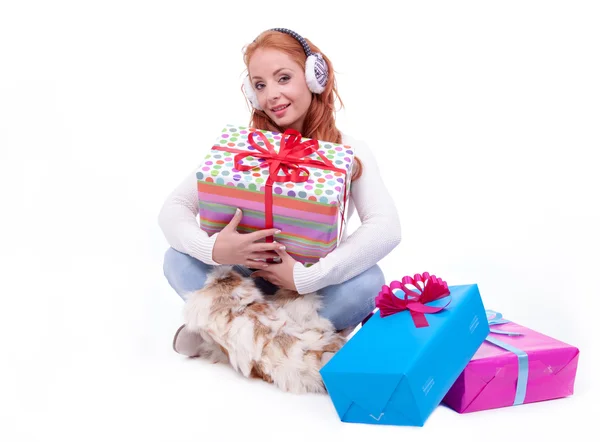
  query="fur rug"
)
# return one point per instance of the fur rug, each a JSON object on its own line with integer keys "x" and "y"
{"x": 281, "y": 341}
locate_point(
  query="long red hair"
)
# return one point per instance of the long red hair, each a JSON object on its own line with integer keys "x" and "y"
{"x": 319, "y": 123}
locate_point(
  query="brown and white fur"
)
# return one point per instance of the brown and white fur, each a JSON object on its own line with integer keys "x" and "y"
{"x": 280, "y": 339}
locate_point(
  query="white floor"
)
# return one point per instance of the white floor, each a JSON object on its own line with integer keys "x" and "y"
{"x": 86, "y": 346}
{"x": 103, "y": 110}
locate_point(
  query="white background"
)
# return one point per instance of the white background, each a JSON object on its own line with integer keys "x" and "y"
{"x": 484, "y": 116}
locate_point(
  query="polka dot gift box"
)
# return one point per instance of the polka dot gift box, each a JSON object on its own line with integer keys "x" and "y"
{"x": 296, "y": 184}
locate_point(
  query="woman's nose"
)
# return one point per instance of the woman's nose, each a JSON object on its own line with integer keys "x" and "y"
{"x": 273, "y": 93}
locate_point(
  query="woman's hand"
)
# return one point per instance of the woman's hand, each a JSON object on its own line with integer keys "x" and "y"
{"x": 234, "y": 248}
{"x": 281, "y": 274}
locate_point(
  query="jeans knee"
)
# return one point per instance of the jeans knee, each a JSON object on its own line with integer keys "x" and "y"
{"x": 349, "y": 303}
{"x": 374, "y": 277}
{"x": 183, "y": 272}
{"x": 173, "y": 260}
{"x": 370, "y": 284}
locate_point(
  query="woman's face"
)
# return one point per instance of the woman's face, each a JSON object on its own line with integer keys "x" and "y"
{"x": 280, "y": 86}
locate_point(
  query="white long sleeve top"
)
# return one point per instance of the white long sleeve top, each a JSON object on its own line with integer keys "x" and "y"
{"x": 377, "y": 235}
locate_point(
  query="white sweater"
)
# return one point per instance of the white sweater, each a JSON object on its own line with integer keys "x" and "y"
{"x": 377, "y": 235}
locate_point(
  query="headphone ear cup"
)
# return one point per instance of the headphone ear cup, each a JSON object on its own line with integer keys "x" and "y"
{"x": 250, "y": 94}
{"x": 316, "y": 73}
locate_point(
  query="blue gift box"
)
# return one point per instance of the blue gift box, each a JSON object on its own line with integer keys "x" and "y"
{"x": 392, "y": 372}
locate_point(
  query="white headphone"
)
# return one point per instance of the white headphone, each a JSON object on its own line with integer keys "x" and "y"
{"x": 316, "y": 71}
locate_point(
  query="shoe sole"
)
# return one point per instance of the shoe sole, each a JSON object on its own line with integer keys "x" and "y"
{"x": 175, "y": 338}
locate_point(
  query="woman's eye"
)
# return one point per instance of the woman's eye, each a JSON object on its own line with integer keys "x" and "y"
{"x": 284, "y": 78}
{"x": 258, "y": 86}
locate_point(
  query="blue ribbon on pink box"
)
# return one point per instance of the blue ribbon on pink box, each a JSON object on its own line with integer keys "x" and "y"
{"x": 495, "y": 318}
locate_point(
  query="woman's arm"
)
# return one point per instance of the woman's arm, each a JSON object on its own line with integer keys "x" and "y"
{"x": 377, "y": 236}
{"x": 177, "y": 220}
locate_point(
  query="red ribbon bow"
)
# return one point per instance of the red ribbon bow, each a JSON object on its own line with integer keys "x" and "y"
{"x": 429, "y": 288}
{"x": 292, "y": 154}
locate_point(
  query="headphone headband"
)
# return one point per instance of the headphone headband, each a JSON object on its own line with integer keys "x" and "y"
{"x": 298, "y": 37}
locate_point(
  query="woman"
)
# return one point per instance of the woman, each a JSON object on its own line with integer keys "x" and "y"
{"x": 289, "y": 85}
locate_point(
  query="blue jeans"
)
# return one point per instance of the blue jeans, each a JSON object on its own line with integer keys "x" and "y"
{"x": 345, "y": 305}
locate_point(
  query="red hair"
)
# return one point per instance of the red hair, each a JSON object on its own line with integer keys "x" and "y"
{"x": 319, "y": 123}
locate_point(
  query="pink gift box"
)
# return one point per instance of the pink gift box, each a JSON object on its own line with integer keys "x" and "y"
{"x": 491, "y": 378}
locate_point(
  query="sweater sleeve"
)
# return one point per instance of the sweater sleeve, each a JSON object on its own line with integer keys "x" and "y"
{"x": 376, "y": 237}
{"x": 177, "y": 220}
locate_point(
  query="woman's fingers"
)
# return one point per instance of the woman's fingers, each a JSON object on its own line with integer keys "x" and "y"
{"x": 262, "y": 234}
{"x": 265, "y": 246}
{"x": 251, "y": 264}
{"x": 262, "y": 255}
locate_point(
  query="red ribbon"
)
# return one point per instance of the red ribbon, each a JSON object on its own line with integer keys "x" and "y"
{"x": 429, "y": 288}
{"x": 292, "y": 154}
